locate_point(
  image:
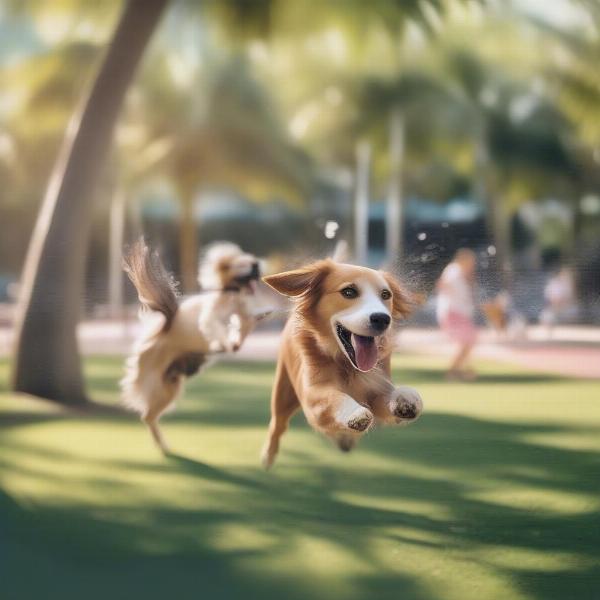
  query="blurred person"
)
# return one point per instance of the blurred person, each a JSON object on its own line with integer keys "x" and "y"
{"x": 455, "y": 309}
{"x": 503, "y": 317}
{"x": 496, "y": 311}
{"x": 560, "y": 299}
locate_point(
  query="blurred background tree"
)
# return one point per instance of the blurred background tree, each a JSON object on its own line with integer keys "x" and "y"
{"x": 47, "y": 361}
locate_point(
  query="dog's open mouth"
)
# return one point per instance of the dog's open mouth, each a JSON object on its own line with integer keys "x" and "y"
{"x": 360, "y": 349}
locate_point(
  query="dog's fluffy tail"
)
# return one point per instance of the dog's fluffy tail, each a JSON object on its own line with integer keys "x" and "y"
{"x": 156, "y": 288}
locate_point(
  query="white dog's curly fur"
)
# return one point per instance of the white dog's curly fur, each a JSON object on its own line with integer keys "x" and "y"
{"x": 178, "y": 338}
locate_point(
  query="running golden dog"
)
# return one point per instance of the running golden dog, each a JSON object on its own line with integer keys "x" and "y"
{"x": 334, "y": 360}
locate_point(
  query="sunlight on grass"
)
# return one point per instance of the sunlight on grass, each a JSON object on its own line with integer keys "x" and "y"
{"x": 490, "y": 494}
{"x": 541, "y": 500}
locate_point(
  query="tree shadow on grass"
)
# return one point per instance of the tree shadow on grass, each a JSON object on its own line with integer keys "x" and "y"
{"x": 142, "y": 547}
{"x": 459, "y": 467}
{"x": 75, "y": 553}
{"x": 205, "y": 471}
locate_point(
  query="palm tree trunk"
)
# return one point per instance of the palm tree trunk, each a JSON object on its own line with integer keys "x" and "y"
{"x": 500, "y": 227}
{"x": 395, "y": 215}
{"x": 188, "y": 242}
{"x": 496, "y": 217}
{"x": 115, "y": 252}
{"x": 47, "y": 361}
{"x": 361, "y": 203}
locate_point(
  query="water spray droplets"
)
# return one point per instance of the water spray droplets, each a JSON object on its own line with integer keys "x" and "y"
{"x": 331, "y": 228}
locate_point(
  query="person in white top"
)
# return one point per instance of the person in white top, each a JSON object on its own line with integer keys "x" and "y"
{"x": 560, "y": 297}
{"x": 456, "y": 308}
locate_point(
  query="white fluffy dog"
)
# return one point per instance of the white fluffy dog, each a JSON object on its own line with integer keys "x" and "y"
{"x": 177, "y": 338}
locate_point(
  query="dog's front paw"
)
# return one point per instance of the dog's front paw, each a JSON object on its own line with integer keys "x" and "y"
{"x": 234, "y": 342}
{"x": 267, "y": 456}
{"x": 216, "y": 346}
{"x": 406, "y": 403}
{"x": 360, "y": 420}
{"x": 232, "y": 346}
{"x": 352, "y": 415}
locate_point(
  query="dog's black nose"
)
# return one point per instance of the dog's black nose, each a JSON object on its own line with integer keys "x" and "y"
{"x": 379, "y": 321}
{"x": 255, "y": 271}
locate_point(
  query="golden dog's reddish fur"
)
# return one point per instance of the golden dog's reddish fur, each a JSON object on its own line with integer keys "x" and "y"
{"x": 315, "y": 373}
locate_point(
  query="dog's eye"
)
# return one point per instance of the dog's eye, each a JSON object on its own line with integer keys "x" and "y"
{"x": 349, "y": 292}
{"x": 386, "y": 294}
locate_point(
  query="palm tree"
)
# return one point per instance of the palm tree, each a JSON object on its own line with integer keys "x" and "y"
{"x": 47, "y": 360}
{"x": 394, "y": 104}
{"x": 517, "y": 135}
{"x": 575, "y": 80}
{"x": 331, "y": 122}
{"x": 234, "y": 139}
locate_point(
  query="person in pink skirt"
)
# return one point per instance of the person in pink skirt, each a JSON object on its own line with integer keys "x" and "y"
{"x": 456, "y": 308}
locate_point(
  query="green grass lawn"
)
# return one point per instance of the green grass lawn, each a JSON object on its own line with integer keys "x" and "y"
{"x": 494, "y": 493}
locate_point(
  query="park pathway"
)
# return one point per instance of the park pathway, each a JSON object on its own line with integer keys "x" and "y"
{"x": 572, "y": 351}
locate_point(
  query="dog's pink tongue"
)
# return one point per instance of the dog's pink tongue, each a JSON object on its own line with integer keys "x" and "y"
{"x": 365, "y": 351}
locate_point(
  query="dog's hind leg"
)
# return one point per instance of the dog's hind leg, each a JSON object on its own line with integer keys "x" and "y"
{"x": 152, "y": 421}
{"x": 160, "y": 401}
{"x": 284, "y": 403}
{"x": 161, "y": 393}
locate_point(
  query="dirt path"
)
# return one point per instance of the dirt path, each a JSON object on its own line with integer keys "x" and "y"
{"x": 574, "y": 355}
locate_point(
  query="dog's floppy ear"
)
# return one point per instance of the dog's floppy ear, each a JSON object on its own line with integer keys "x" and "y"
{"x": 402, "y": 301}
{"x": 299, "y": 281}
